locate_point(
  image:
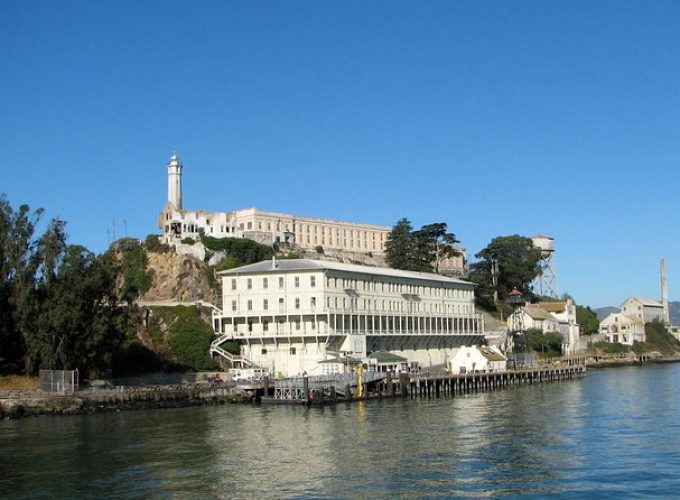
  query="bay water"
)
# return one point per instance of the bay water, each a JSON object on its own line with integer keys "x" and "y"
{"x": 615, "y": 433}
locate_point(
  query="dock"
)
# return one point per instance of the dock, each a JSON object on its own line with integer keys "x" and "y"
{"x": 329, "y": 389}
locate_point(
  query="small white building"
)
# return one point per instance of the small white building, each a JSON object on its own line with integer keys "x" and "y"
{"x": 644, "y": 309}
{"x": 533, "y": 317}
{"x": 475, "y": 359}
{"x": 619, "y": 328}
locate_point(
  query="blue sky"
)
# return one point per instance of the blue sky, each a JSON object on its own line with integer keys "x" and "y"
{"x": 498, "y": 118}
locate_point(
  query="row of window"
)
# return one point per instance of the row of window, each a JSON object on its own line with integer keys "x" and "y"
{"x": 398, "y": 288}
{"x": 367, "y": 304}
{"x": 265, "y": 304}
{"x": 366, "y": 285}
{"x": 265, "y": 282}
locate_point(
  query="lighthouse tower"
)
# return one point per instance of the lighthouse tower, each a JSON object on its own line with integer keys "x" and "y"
{"x": 175, "y": 181}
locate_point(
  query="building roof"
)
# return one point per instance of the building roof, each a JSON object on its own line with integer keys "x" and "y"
{"x": 491, "y": 354}
{"x": 538, "y": 313}
{"x": 553, "y": 307}
{"x": 386, "y": 357}
{"x": 645, "y": 301}
{"x": 290, "y": 265}
{"x": 342, "y": 361}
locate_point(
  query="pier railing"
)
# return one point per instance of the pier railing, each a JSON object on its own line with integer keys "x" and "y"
{"x": 297, "y": 387}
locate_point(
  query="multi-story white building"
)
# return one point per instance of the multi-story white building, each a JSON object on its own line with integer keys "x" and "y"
{"x": 620, "y": 328}
{"x": 267, "y": 228}
{"x": 294, "y": 316}
{"x": 644, "y": 309}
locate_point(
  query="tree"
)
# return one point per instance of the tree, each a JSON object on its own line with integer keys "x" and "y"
{"x": 400, "y": 245}
{"x": 80, "y": 324}
{"x": 434, "y": 245}
{"x": 587, "y": 320}
{"x": 422, "y": 250}
{"x": 517, "y": 262}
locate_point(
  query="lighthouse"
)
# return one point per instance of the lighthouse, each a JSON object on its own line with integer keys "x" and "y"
{"x": 175, "y": 181}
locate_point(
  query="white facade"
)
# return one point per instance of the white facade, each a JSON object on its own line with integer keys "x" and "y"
{"x": 646, "y": 310}
{"x": 559, "y": 316}
{"x": 475, "y": 359}
{"x": 290, "y": 315}
{"x": 268, "y": 228}
{"x": 620, "y": 328}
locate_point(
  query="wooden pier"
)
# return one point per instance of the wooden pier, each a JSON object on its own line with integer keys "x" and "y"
{"x": 445, "y": 384}
{"x": 308, "y": 390}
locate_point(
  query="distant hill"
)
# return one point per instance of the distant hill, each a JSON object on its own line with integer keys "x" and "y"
{"x": 603, "y": 312}
{"x": 675, "y": 312}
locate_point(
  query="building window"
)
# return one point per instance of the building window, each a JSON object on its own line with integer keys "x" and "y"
{"x": 233, "y": 305}
{"x": 250, "y": 326}
{"x": 233, "y": 284}
{"x": 265, "y": 283}
{"x": 250, "y": 305}
{"x": 312, "y": 281}
{"x": 293, "y": 350}
{"x": 297, "y": 282}
{"x": 265, "y": 304}
{"x": 313, "y": 302}
{"x": 265, "y": 326}
{"x": 297, "y": 303}
{"x": 297, "y": 325}
{"x": 250, "y": 284}
{"x": 281, "y": 282}
{"x": 281, "y": 304}
{"x": 250, "y": 225}
{"x": 264, "y": 351}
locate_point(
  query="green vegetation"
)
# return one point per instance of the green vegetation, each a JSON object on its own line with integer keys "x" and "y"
{"x": 153, "y": 244}
{"x": 659, "y": 339}
{"x": 188, "y": 337}
{"x": 134, "y": 261}
{"x": 516, "y": 260}
{"x": 59, "y": 306}
{"x": 587, "y": 320}
{"x": 242, "y": 250}
{"x": 611, "y": 348}
{"x": 422, "y": 250}
{"x": 547, "y": 344}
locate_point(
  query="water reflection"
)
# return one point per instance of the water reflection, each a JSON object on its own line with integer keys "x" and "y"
{"x": 615, "y": 431}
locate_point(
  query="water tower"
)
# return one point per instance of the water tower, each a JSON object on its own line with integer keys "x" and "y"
{"x": 546, "y": 281}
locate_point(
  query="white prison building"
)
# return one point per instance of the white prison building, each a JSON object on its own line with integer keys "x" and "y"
{"x": 294, "y": 316}
{"x": 268, "y": 228}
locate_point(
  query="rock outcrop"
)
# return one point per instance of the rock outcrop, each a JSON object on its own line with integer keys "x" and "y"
{"x": 178, "y": 278}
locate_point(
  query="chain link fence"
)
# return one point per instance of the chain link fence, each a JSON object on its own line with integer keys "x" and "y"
{"x": 61, "y": 381}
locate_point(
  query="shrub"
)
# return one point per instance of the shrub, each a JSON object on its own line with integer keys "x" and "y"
{"x": 153, "y": 244}
{"x": 319, "y": 250}
{"x": 189, "y": 340}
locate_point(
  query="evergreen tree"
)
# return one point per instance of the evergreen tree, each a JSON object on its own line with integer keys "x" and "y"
{"x": 400, "y": 245}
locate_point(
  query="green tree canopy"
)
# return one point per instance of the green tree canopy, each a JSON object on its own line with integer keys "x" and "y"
{"x": 517, "y": 263}
{"x": 400, "y": 245}
{"x": 422, "y": 250}
{"x": 587, "y": 320}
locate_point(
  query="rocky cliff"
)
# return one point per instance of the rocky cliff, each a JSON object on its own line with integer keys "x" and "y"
{"x": 178, "y": 278}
